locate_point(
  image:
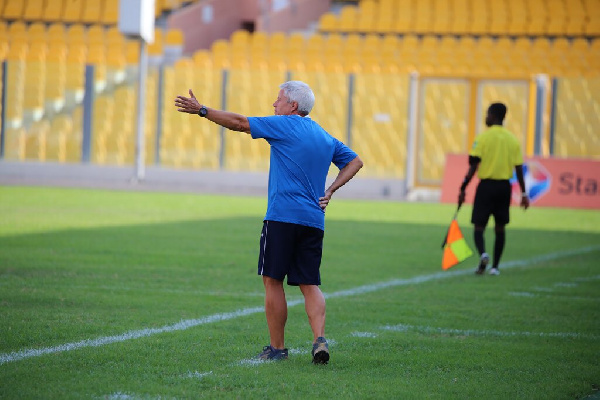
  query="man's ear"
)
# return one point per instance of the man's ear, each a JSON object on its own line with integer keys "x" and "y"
{"x": 294, "y": 106}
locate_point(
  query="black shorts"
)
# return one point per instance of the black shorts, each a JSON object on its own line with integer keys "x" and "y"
{"x": 291, "y": 250}
{"x": 492, "y": 198}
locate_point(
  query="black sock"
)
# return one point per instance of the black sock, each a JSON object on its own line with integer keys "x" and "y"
{"x": 479, "y": 243}
{"x": 498, "y": 247}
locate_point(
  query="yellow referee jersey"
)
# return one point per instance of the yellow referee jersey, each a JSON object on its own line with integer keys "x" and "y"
{"x": 499, "y": 151}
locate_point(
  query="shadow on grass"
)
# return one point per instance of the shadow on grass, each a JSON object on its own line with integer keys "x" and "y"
{"x": 214, "y": 252}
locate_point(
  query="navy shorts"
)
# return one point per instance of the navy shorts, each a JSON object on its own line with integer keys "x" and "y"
{"x": 492, "y": 198}
{"x": 291, "y": 250}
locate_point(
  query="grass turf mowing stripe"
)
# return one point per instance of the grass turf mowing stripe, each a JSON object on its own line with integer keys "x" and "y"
{"x": 190, "y": 323}
{"x": 472, "y": 332}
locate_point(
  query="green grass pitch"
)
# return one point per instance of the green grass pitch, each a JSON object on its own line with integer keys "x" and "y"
{"x": 133, "y": 295}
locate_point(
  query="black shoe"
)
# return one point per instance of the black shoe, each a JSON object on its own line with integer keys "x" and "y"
{"x": 483, "y": 262}
{"x": 320, "y": 351}
{"x": 273, "y": 354}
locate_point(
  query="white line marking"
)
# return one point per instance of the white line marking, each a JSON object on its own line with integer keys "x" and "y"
{"x": 120, "y": 396}
{"x": 472, "y": 332}
{"x": 185, "y": 324}
{"x": 252, "y": 362}
{"x": 197, "y": 374}
{"x": 523, "y": 294}
{"x": 364, "y": 334}
{"x": 304, "y": 350}
{"x": 574, "y": 283}
{"x": 190, "y": 323}
{"x": 551, "y": 296}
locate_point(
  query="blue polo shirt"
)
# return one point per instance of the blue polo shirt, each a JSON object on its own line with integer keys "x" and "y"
{"x": 301, "y": 154}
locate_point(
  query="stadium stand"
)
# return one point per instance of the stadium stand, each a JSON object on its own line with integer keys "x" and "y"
{"x": 463, "y": 17}
{"x": 374, "y": 44}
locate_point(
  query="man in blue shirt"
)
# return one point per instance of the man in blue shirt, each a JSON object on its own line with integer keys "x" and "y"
{"x": 292, "y": 236}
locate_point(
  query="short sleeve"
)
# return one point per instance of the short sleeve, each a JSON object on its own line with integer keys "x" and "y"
{"x": 476, "y": 148}
{"x": 342, "y": 154}
{"x": 517, "y": 154}
{"x": 270, "y": 128}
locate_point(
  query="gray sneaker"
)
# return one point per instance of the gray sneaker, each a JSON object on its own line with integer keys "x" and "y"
{"x": 273, "y": 354}
{"x": 494, "y": 271}
{"x": 320, "y": 351}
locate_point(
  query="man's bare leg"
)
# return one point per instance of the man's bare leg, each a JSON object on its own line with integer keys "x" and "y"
{"x": 275, "y": 311}
{"x": 314, "y": 304}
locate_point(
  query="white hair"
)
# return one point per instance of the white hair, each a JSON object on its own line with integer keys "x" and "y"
{"x": 301, "y": 93}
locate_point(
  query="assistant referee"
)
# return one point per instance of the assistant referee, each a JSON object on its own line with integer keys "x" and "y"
{"x": 494, "y": 154}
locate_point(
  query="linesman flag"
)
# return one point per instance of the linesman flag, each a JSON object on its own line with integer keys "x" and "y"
{"x": 455, "y": 246}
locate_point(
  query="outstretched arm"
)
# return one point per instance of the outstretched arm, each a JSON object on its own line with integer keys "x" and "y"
{"x": 343, "y": 177}
{"x": 229, "y": 120}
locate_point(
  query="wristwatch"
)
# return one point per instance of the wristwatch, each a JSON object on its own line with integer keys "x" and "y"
{"x": 203, "y": 111}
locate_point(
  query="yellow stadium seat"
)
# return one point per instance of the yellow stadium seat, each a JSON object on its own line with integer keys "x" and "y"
{"x": 14, "y": 143}
{"x": 295, "y": 42}
{"x": 258, "y": 47}
{"x": 367, "y": 7}
{"x": 3, "y": 52}
{"x": 522, "y": 45}
{"x": 110, "y": 13}
{"x": 441, "y": 16}
{"x": 429, "y": 42}
{"x": 316, "y": 42}
{"x": 17, "y": 51}
{"x": 422, "y": 18}
{"x": 14, "y": 91}
{"x": 132, "y": 52}
{"x": 384, "y": 24}
{"x": 36, "y": 32}
{"x": 34, "y": 84}
{"x": 77, "y": 33}
{"x": 35, "y": 144}
{"x": 259, "y": 39}
{"x": 72, "y": 11}
{"x": 17, "y": 29}
{"x": 91, "y": 12}
{"x": 390, "y": 42}
{"x": 33, "y": 10}
{"x": 156, "y": 48}
{"x": 13, "y": 9}
{"x": 56, "y": 32}
{"x": 580, "y": 44}
{"x": 537, "y": 25}
{"x": 240, "y": 38}
{"x": 366, "y": 24}
{"x": 56, "y": 73}
{"x": 328, "y": 22}
{"x": 174, "y": 37}
{"x": 409, "y": 43}
{"x": 278, "y": 41}
{"x": 66, "y": 125}
{"x": 592, "y": 28}
{"x": 52, "y": 10}
{"x": 113, "y": 35}
{"x": 372, "y": 43}
{"x": 460, "y": 17}
{"x": 202, "y": 58}
{"x": 348, "y": 19}
{"x": 220, "y": 56}
{"x": 95, "y": 35}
